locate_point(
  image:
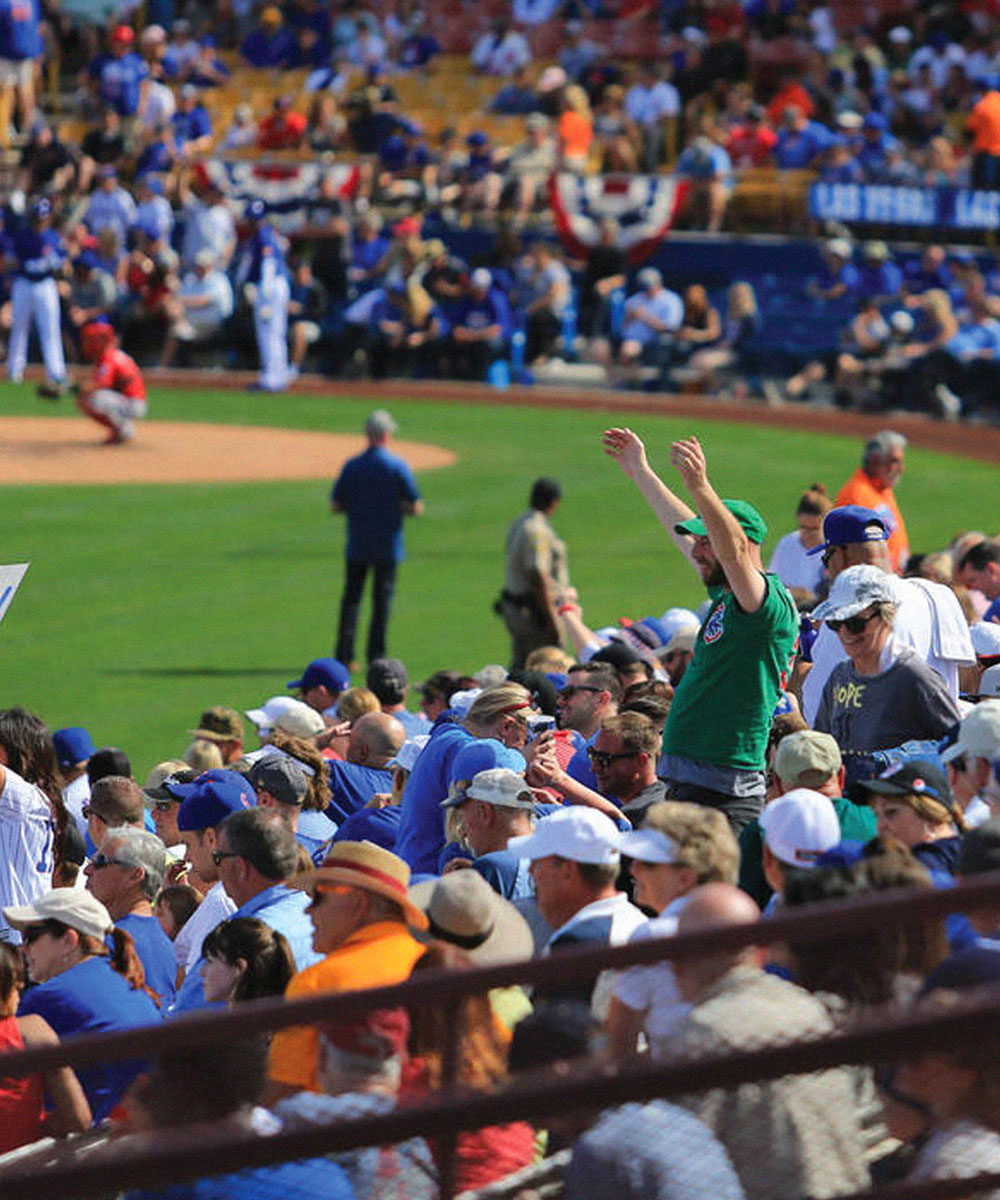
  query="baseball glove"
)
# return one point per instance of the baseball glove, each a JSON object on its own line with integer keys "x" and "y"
{"x": 49, "y": 391}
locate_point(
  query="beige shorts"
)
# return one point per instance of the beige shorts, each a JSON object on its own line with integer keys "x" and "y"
{"x": 16, "y": 72}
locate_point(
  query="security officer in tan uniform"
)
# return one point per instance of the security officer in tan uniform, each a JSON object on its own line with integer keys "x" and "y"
{"x": 535, "y": 575}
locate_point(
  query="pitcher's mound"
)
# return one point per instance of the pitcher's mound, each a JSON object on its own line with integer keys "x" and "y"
{"x": 69, "y": 450}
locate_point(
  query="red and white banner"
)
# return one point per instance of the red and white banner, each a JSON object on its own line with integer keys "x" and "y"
{"x": 645, "y": 207}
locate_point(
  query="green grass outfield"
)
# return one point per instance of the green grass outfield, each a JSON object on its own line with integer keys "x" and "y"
{"x": 144, "y": 605}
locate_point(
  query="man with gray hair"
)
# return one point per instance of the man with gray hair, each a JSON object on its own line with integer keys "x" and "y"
{"x": 375, "y": 490}
{"x": 871, "y": 486}
{"x": 496, "y": 806}
{"x": 125, "y": 875}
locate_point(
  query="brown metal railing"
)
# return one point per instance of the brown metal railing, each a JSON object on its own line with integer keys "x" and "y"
{"x": 194, "y": 1152}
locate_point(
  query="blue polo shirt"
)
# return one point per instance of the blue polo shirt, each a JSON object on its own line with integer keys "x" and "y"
{"x": 91, "y": 997}
{"x": 156, "y": 953}
{"x": 421, "y": 822}
{"x": 281, "y": 907}
{"x": 372, "y": 489}
{"x": 287, "y": 1181}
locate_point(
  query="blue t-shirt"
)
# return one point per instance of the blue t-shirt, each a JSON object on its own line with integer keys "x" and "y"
{"x": 372, "y": 489}
{"x": 189, "y": 126}
{"x": 156, "y": 953}
{"x": 421, "y": 824}
{"x": 91, "y": 997}
{"x": 796, "y": 148}
{"x": 287, "y": 1181}
{"x": 119, "y": 81}
{"x": 20, "y": 36}
{"x": 993, "y": 612}
{"x": 262, "y": 49}
{"x": 492, "y": 309}
{"x": 352, "y": 785}
{"x": 378, "y": 825}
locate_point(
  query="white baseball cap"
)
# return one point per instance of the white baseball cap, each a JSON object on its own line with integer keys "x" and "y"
{"x": 461, "y": 702}
{"x": 853, "y": 591}
{"x": 650, "y": 846}
{"x": 74, "y": 907}
{"x": 979, "y": 732}
{"x": 985, "y": 638}
{"x": 576, "y": 832}
{"x": 409, "y": 752}
{"x": 265, "y": 716}
{"x": 299, "y": 720}
{"x": 989, "y": 685}
{"x": 800, "y": 826}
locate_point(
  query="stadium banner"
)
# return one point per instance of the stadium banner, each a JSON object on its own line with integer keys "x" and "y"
{"x": 10, "y": 580}
{"x": 876, "y": 204}
{"x": 645, "y": 207}
{"x": 291, "y": 191}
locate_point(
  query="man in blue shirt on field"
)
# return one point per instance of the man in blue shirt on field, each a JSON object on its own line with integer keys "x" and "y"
{"x": 376, "y": 490}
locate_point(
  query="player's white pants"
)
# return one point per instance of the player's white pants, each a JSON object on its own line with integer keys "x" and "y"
{"x": 41, "y": 301}
{"x": 270, "y": 320}
{"x": 114, "y": 410}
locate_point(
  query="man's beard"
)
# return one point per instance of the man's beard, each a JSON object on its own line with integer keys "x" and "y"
{"x": 715, "y": 576}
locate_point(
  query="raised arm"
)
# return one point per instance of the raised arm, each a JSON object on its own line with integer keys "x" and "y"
{"x": 627, "y": 449}
{"x": 738, "y": 557}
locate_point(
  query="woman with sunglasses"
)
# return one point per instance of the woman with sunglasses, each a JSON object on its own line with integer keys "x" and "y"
{"x": 878, "y": 698}
{"x": 83, "y": 987}
{"x": 22, "y": 1098}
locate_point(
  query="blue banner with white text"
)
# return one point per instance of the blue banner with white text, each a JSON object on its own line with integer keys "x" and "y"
{"x": 878, "y": 204}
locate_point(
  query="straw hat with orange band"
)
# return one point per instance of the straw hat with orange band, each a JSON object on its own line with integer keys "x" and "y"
{"x": 367, "y": 866}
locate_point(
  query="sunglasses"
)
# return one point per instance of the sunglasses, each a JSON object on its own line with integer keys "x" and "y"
{"x": 219, "y": 855}
{"x": 33, "y": 932}
{"x": 89, "y": 812}
{"x": 162, "y": 806}
{"x": 603, "y": 760}
{"x": 573, "y": 688}
{"x": 100, "y": 861}
{"x": 852, "y": 624}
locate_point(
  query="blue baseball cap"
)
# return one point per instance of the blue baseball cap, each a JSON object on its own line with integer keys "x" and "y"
{"x": 210, "y": 799}
{"x": 326, "y": 672}
{"x": 255, "y": 210}
{"x": 483, "y": 754}
{"x": 874, "y": 120}
{"x": 72, "y": 745}
{"x": 477, "y": 138}
{"x": 850, "y": 523}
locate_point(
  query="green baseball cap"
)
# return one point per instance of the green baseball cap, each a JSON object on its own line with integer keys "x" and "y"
{"x": 751, "y": 522}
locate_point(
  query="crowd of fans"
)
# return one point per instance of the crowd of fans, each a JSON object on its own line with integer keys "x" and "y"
{"x": 825, "y": 729}
{"x": 152, "y": 236}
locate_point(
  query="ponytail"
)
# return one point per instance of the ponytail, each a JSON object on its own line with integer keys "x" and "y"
{"x": 123, "y": 958}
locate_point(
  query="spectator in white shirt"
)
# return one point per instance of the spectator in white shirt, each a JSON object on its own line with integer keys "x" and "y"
{"x": 202, "y": 304}
{"x": 651, "y": 102}
{"x": 501, "y": 51}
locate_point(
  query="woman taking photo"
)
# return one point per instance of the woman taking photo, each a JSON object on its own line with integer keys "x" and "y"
{"x": 245, "y": 960}
{"x": 879, "y": 698}
{"x": 22, "y": 1098}
{"x": 82, "y": 987}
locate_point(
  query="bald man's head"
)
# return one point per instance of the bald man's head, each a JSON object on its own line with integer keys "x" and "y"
{"x": 375, "y": 739}
{"x": 714, "y": 904}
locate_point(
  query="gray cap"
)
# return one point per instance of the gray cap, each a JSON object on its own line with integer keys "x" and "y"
{"x": 649, "y": 277}
{"x": 280, "y": 776}
{"x": 853, "y": 591}
{"x": 380, "y": 423}
{"x": 496, "y": 785}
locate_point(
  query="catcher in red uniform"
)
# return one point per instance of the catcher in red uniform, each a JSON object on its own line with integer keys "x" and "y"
{"x": 115, "y": 394}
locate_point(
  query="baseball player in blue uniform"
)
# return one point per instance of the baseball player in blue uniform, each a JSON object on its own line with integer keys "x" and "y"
{"x": 267, "y": 288}
{"x": 38, "y": 255}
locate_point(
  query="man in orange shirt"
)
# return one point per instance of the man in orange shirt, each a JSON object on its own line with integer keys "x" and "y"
{"x": 871, "y": 487}
{"x": 360, "y": 912}
{"x": 984, "y": 124}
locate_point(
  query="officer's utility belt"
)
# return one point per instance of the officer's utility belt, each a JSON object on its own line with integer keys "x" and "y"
{"x": 525, "y": 600}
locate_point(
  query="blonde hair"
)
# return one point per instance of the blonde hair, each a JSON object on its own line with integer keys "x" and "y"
{"x": 505, "y": 699}
{"x": 355, "y": 702}
{"x": 576, "y": 99}
{"x": 938, "y": 303}
{"x": 548, "y": 658}
{"x": 703, "y": 835}
{"x": 741, "y": 301}
{"x": 203, "y": 755}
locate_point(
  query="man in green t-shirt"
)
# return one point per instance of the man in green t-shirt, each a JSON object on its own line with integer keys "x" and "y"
{"x": 715, "y": 739}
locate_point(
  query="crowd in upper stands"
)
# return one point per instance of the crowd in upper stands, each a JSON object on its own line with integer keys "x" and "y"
{"x": 151, "y": 233}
